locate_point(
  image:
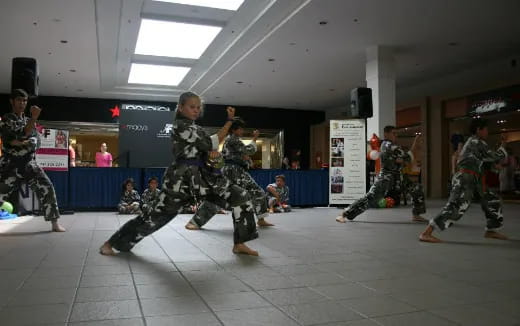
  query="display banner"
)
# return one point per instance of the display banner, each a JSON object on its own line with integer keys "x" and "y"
{"x": 145, "y": 138}
{"x": 347, "y": 168}
{"x": 53, "y": 150}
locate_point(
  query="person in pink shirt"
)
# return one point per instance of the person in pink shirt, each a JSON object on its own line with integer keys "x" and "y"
{"x": 103, "y": 158}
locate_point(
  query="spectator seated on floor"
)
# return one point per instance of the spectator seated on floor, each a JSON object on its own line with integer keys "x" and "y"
{"x": 130, "y": 199}
{"x": 278, "y": 196}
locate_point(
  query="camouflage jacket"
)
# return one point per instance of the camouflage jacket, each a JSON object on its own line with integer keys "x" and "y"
{"x": 390, "y": 153}
{"x": 12, "y": 128}
{"x": 234, "y": 150}
{"x": 130, "y": 197}
{"x": 476, "y": 155}
{"x": 149, "y": 196}
{"x": 283, "y": 192}
{"x": 190, "y": 141}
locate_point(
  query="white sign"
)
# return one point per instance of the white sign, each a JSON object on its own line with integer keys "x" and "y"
{"x": 347, "y": 169}
{"x": 53, "y": 152}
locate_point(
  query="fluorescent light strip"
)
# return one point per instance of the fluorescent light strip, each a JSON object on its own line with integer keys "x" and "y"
{"x": 171, "y": 39}
{"x": 156, "y": 75}
{"x": 219, "y": 4}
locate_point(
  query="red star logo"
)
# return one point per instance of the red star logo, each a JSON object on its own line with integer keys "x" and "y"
{"x": 115, "y": 111}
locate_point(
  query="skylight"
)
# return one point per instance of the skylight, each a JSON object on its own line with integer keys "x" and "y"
{"x": 219, "y": 4}
{"x": 156, "y": 75}
{"x": 171, "y": 39}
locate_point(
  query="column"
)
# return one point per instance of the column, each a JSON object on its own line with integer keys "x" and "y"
{"x": 380, "y": 77}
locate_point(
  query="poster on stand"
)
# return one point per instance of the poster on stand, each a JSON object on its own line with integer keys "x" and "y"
{"x": 53, "y": 151}
{"x": 347, "y": 169}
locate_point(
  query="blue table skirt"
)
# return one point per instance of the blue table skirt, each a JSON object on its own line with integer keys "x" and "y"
{"x": 100, "y": 188}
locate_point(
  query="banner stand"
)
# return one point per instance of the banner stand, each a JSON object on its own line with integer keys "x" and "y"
{"x": 347, "y": 168}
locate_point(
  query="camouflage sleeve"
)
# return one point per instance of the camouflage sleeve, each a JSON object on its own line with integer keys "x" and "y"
{"x": 401, "y": 154}
{"x": 193, "y": 136}
{"x": 250, "y": 149}
{"x": 11, "y": 129}
{"x": 488, "y": 155}
{"x": 286, "y": 195}
{"x": 135, "y": 196}
{"x": 235, "y": 145}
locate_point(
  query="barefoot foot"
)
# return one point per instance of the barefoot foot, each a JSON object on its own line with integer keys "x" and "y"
{"x": 106, "y": 249}
{"x": 419, "y": 218}
{"x": 241, "y": 248}
{"x": 495, "y": 235}
{"x": 427, "y": 236}
{"x": 262, "y": 222}
{"x": 57, "y": 228}
{"x": 191, "y": 226}
{"x": 341, "y": 219}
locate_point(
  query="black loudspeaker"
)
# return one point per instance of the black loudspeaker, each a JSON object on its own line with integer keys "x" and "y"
{"x": 360, "y": 103}
{"x": 24, "y": 75}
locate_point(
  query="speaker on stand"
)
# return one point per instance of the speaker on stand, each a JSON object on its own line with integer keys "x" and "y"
{"x": 24, "y": 75}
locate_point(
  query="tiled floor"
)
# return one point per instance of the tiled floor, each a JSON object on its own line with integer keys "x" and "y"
{"x": 311, "y": 271}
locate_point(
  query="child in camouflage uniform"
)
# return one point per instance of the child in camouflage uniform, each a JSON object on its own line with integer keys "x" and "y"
{"x": 151, "y": 194}
{"x": 19, "y": 142}
{"x": 234, "y": 152}
{"x": 392, "y": 158}
{"x": 130, "y": 200}
{"x": 278, "y": 198}
{"x": 187, "y": 177}
{"x": 473, "y": 159}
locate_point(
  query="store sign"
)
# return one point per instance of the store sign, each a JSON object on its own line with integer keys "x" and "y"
{"x": 496, "y": 101}
{"x": 347, "y": 168}
{"x": 134, "y": 127}
{"x": 145, "y": 107}
{"x": 145, "y": 137}
{"x": 53, "y": 151}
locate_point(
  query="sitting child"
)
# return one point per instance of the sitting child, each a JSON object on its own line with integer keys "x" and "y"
{"x": 151, "y": 194}
{"x": 130, "y": 200}
{"x": 278, "y": 196}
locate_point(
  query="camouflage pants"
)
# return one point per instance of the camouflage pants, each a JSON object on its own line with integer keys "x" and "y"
{"x": 12, "y": 175}
{"x": 241, "y": 178}
{"x": 382, "y": 184}
{"x": 125, "y": 208}
{"x": 177, "y": 192}
{"x": 279, "y": 208}
{"x": 464, "y": 185}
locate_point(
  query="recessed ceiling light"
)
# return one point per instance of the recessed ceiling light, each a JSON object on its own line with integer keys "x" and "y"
{"x": 169, "y": 39}
{"x": 64, "y": 41}
{"x": 222, "y": 4}
{"x": 323, "y": 22}
{"x": 156, "y": 74}
{"x": 355, "y": 20}
{"x": 240, "y": 82}
{"x": 270, "y": 59}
